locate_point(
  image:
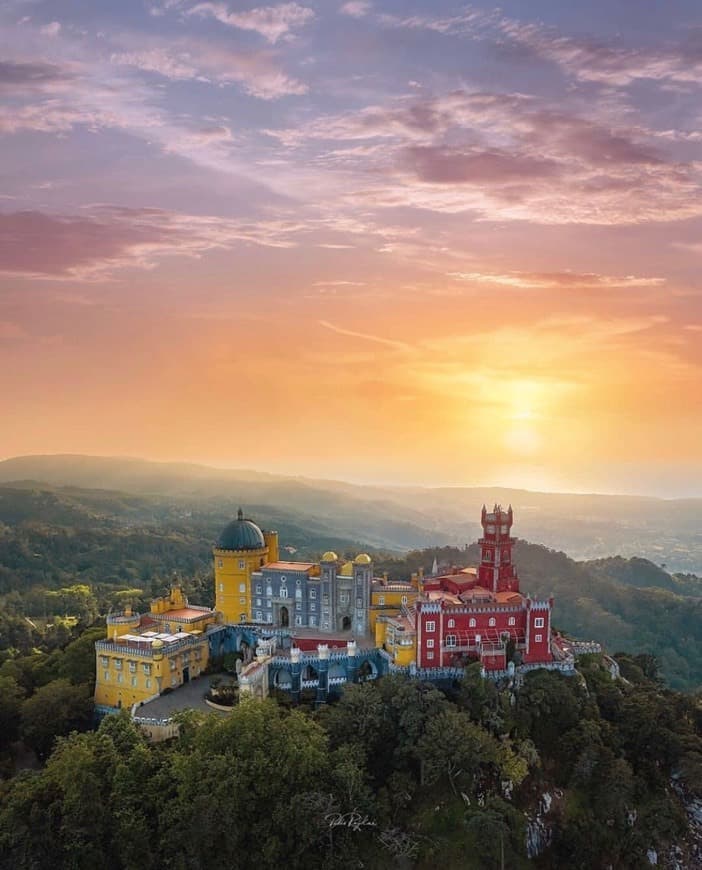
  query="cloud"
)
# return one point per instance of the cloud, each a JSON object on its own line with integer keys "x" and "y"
{"x": 257, "y": 71}
{"x": 556, "y": 280}
{"x": 51, "y": 29}
{"x": 18, "y": 76}
{"x": 443, "y": 165}
{"x": 356, "y": 8}
{"x": 93, "y": 245}
{"x": 388, "y": 342}
{"x": 594, "y": 60}
{"x": 272, "y": 22}
{"x": 504, "y": 157}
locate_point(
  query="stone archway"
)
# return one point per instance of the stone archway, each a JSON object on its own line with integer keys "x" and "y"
{"x": 346, "y": 623}
{"x": 284, "y": 617}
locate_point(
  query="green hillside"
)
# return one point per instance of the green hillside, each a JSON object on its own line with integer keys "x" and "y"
{"x": 121, "y": 546}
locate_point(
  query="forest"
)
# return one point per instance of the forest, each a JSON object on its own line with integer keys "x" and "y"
{"x": 581, "y": 772}
{"x": 578, "y": 772}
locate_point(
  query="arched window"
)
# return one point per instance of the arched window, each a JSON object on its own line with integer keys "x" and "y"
{"x": 269, "y": 590}
{"x": 492, "y": 623}
{"x": 452, "y": 623}
{"x": 511, "y": 620}
{"x": 472, "y": 624}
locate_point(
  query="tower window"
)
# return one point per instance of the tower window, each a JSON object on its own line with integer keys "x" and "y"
{"x": 538, "y": 638}
{"x": 404, "y": 599}
{"x": 451, "y": 623}
{"x": 220, "y": 563}
{"x": 242, "y": 587}
{"x": 221, "y": 587}
{"x": 539, "y": 622}
{"x": 472, "y": 624}
{"x": 492, "y": 623}
{"x": 242, "y": 564}
{"x": 511, "y": 620}
{"x": 430, "y": 626}
{"x": 259, "y": 589}
{"x": 381, "y": 599}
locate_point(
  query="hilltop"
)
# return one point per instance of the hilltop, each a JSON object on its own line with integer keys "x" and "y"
{"x": 115, "y": 544}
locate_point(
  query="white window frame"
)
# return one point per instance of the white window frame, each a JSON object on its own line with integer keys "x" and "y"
{"x": 450, "y": 641}
{"x": 539, "y": 622}
{"x": 451, "y": 623}
{"x": 492, "y": 622}
{"x": 472, "y": 623}
{"x": 511, "y": 621}
{"x": 430, "y": 625}
{"x": 430, "y": 643}
{"x": 538, "y": 638}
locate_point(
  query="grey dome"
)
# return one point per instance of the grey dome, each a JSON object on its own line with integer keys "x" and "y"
{"x": 241, "y": 534}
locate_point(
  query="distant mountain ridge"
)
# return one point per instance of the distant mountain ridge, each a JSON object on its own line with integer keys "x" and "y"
{"x": 57, "y": 536}
{"x": 586, "y": 526}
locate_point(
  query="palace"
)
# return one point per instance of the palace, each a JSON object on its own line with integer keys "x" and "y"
{"x": 426, "y": 625}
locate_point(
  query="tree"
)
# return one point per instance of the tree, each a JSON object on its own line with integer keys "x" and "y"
{"x": 53, "y": 711}
{"x": 11, "y": 695}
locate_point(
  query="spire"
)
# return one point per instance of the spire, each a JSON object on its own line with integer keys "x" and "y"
{"x": 435, "y": 567}
{"x": 240, "y": 514}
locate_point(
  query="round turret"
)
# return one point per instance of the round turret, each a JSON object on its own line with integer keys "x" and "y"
{"x": 241, "y": 534}
{"x": 330, "y": 556}
{"x": 363, "y": 559}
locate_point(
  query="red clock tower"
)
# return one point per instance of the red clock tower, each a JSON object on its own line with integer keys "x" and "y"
{"x": 496, "y": 571}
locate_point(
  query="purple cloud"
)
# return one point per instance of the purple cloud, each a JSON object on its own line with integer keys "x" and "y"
{"x": 106, "y": 238}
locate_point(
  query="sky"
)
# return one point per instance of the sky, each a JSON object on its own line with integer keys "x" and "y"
{"x": 398, "y": 242}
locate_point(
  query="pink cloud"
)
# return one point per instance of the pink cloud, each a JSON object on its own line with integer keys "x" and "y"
{"x": 595, "y": 60}
{"x": 257, "y": 71}
{"x": 272, "y": 22}
{"x": 93, "y": 245}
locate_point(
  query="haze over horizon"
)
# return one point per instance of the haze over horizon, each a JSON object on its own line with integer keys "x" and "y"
{"x": 312, "y": 475}
{"x": 391, "y": 242}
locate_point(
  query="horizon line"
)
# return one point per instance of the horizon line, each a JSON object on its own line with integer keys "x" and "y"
{"x": 349, "y": 482}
